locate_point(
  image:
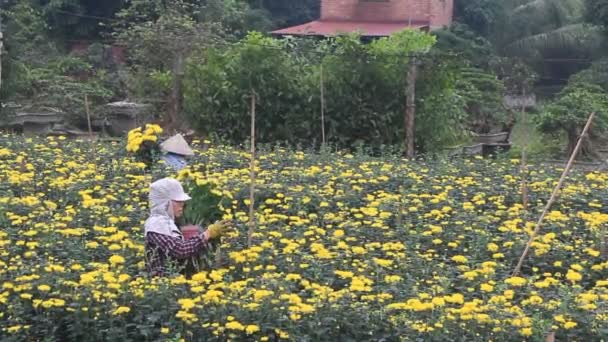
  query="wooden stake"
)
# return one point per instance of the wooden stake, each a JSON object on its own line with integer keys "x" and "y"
{"x": 252, "y": 174}
{"x": 322, "y": 85}
{"x": 410, "y": 108}
{"x": 553, "y": 195}
{"x": 177, "y": 95}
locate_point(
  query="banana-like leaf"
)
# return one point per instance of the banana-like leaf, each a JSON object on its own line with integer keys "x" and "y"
{"x": 575, "y": 37}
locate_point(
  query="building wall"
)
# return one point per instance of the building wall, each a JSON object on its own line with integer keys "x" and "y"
{"x": 442, "y": 12}
{"x": 437, "y": 12}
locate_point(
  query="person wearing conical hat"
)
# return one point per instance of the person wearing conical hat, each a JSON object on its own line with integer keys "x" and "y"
{"x": 176, "y": 151}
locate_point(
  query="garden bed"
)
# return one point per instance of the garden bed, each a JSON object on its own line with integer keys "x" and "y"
{"x": 346, "y": 247}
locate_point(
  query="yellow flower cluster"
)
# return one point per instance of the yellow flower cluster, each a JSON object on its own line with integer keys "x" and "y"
{"x": 138, "y": 136}
{"x": 421, "y": 251}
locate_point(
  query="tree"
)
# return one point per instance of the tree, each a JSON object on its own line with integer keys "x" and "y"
{"x": 365, "y": 91}
{"x": 596, "y": 74}
{"x": 160, "y": 36}
{"x": 569, "y": 113}
{"x": 78, "y": 19}
{"x": 288, "y": 13}
{"x": 597, "y": 12}
{"x": 460, "y": 39}
{"x": 220, "y": 82}
{"x": 483, "y": 93}
{"x": 538, "y": 30}
{"x": 482, "y": 16}
{"x": 39, "y": 74}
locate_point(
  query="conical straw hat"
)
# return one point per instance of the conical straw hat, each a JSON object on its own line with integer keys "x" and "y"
{"x": 178, "y": 145}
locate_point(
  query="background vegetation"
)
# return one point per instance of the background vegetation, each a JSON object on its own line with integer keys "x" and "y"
{"x": 199, "y": 60}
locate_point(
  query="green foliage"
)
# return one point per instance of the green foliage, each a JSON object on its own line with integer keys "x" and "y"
{"x": 569, "y": 112}
{"x": 236, "y": 16}
{"x": 26, "y": 42}
{"x": 79, "y": 19}
{"x": 573, "y": 106}
{"x": 39, "y": 75}
{"x": 597, "y": 12}
{"x": 364, "y": 90}
{"x": 58, "y": 85}
{"x": 155, "y": 33}
{"x": 483, "y": 16}
{"x": 287, "y": 13}
{"x": 483, "y": 94}
{"x": 206, "y": 204}
{"x": 517, "y": 76}
{"x": 440, "y": 109}
{"x": 460, "y": 39}
{"x": 219, "y": 84}
{"x": 550, "y": 35}
{"x": 160, "y": 35}
{"x": 596, "y": 74}
{"x": 205, "y": 208}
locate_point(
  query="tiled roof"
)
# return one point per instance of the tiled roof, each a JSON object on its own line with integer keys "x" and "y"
{"x": 366, "y": 28}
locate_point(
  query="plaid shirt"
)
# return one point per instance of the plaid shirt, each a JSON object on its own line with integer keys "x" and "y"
{"x": 161, "y": 247}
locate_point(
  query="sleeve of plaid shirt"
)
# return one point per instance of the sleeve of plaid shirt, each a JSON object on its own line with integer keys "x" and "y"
{"x": 175, "y": 247}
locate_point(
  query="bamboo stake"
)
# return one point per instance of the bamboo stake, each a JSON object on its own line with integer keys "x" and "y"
{"x": 252, "y": 174}
{"x": 1, "y": 48}
{"x": 88, "y": 111}
{"x": 322, "y": 85}
{"x": 410, "y": 108}
{"x": 86, "y": 106}
{"x": 604, "y": 243}
{"x": 554, "y": 195}
{"x": 524, "y": 154}
{"x": 218, "y": 256}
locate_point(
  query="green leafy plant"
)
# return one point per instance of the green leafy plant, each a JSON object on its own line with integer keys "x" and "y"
{"x": 203, "y": 209}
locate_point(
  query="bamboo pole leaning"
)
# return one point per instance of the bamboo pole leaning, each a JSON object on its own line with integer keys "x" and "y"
{"x": 554, "y": 195}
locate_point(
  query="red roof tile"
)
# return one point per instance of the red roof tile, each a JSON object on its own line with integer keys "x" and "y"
{"x": 366, "y": 28}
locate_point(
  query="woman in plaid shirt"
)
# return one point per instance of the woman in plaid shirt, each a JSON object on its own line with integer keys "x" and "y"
{"x": 165, "y": 242}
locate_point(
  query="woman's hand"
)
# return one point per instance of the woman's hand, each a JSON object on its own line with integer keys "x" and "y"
{"x": 219, "y": 229}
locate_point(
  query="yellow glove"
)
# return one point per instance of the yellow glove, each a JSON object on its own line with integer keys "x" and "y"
{"x": 218, "y": 229}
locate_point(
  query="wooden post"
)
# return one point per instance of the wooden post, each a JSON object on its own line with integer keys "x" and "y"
{"x": 322, "y": 85}
{"x": 252, "y": 174}
{"x": 175, "y": 107}
{"x": 410, "y": 108}
{"x": 553, "y": 195}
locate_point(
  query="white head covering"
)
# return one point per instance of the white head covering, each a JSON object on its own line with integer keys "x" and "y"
{"x": 161, "y": 219}
{"x": 178, "y": 145}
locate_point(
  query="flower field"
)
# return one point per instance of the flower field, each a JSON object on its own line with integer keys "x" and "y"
{"x": 346, "y": 248}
